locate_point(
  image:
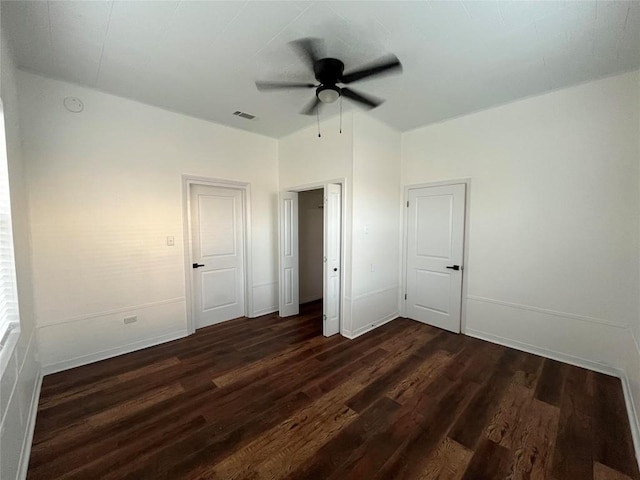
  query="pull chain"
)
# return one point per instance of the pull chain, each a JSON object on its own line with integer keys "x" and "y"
{"x": 318, "y": 117}
{"x": 341, "y": 114}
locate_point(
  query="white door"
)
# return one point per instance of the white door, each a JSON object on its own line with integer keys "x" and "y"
{"x": 435, "y": 236}
{"x": 289, "y": 303}
{"x": 217, "y": 239}
{"x": 332, "y": 254}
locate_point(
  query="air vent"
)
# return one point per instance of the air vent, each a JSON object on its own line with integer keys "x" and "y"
{"x": 248, "y": 116}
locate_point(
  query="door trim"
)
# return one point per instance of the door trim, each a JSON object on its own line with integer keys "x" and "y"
{"x": 465, "y": 249}
{"x": 343, "y": 211}
{"x": 245, "y": 189}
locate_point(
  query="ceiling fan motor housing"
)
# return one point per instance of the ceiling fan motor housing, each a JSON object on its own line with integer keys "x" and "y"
{"x": 328, "y": 71}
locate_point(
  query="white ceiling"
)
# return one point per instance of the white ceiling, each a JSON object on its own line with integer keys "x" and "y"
{"x": 202, "y": 58}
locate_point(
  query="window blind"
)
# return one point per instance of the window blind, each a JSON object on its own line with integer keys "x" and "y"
{"x": 9, "y": 318}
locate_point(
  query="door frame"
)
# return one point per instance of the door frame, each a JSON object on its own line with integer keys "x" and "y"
{"x": 465, "y": 249}
{"x": 343, "y": 212}
{"x": 245, "y": 190}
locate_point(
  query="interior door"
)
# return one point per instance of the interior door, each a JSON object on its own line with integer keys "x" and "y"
{"x": 289, "y": 303}
{"x": 217, "y": 238}
{"x": 332, "y": 255}
{"x": 435, "y": 239}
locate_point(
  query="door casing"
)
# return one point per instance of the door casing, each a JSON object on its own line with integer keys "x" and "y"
{"x": 465, "y": 251}
{"x": 245, "y": 189}
{"x": 314, "y": 186}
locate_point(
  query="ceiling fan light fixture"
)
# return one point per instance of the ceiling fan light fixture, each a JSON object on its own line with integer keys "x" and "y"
{"x": 328, "y": 94}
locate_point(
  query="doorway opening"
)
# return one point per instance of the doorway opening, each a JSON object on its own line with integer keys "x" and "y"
{"x": 299, "y": 219}
{"x": 311, "y": 244}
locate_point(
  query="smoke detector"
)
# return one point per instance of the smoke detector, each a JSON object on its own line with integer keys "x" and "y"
{"x": 73, "y": 104}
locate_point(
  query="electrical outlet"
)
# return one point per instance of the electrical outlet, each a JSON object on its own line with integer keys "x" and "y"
{"x": 128, "y": 320}
{"x": 170, "y": 241}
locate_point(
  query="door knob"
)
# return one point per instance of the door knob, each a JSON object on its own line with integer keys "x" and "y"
{"x": 196, "y": 265}
{"x": 454, "y": 267}
{"x": 335, "y": 269}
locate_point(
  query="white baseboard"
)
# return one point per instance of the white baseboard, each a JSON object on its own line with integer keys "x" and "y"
{"x": 634, "y": 420}
{"x": 112, "y": 352}
{"x": 371, "y": 326}
{"x": 633, "y": 403}
{"x": 264, "y": 311}
{"x": 543, "y": 352}
{"x": 310, "y": 298}
{"x": 25, "y": 453}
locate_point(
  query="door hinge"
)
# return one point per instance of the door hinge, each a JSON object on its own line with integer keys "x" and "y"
{"x": 407, "y": 203}
{"x": 324, "y": 317}
{"x": 405, "y": 296}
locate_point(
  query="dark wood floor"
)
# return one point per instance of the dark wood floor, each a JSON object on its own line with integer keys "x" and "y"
{"x": 272, "y": 398}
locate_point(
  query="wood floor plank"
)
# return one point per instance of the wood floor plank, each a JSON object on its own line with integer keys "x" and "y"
{"x": 573, "y": 456}
{"x": 534, "y": 440}
{"x": 602, "y": 472}
{"x": 84, "y": 443}
{"x": 211, "y": 444}
{"x": 361, "y": 401}
{"x": 64, "y": 431}
{"x": 529, "y": 372}
{"x": 438, "y": 408}
{"x": 612, "y": 442}
{"x": 271, "y": 398}
{"x": 334, "y": 453}
{"x": 490, "y": 461}
{"x": 280, "y": 450}
{"x": 278, "y": 359}
{"x": 83, "y": 390}
{"x": 551, "y": 382}
{"x": 502, "y": 426}
{"x": 417, "y": 381}
{"x": 468, "y": 429}
{"x": 366, "y": 460}
{"x": 448, "y": 462}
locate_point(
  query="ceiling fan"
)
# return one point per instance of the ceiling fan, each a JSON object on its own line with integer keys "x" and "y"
{"x": 329, "y": 73}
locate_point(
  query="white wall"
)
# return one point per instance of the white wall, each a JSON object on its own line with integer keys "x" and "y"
{"x": 19, "y": 372}
{"x": 306, "y": 159}
{"x": 553, "y": 241}
{"x": 105, "y": 192}
{"x": 310, "y": 240}
{"x": 632, "y": 365}
{"x": 376, "y": 224}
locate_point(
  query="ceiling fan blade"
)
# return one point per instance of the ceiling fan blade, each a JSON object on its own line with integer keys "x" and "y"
{"x": 282, "y": 85}
{"x": 309, "y": 49}
{"x": 366, "y": 100}
{"x": 312, "y": 107}
{"x": 385, "y": 64}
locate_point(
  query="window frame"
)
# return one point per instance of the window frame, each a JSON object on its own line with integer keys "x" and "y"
{"x": 10, "y": 322}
